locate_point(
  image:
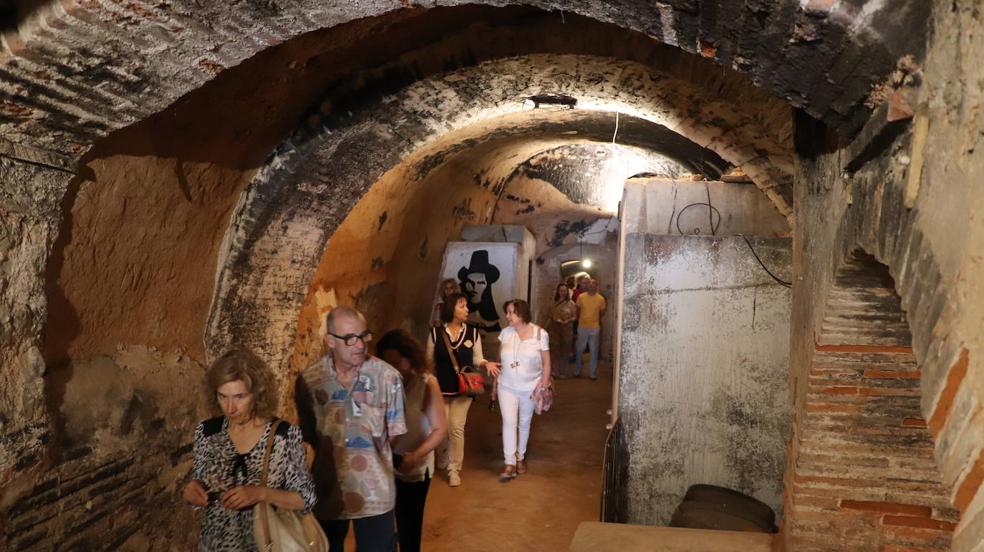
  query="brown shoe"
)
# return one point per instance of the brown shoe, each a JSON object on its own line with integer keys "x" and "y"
{"x": 508, "y": 473}
{"x": 520, "y": 467}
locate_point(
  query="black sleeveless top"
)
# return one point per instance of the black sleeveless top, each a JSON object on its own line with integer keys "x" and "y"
{"x": 463, "y": 349}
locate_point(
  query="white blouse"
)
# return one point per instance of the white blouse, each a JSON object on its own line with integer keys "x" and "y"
{"x": 522, "y": 365}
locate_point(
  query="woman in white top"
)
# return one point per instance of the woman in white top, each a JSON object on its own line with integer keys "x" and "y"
{"x": 524, "y": 355}
{"x": 413, "y": 452}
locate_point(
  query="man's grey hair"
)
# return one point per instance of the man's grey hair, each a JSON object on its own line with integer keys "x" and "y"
{"x": 341, "y": 311}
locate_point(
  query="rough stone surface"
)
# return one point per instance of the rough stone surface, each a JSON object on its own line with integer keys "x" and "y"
{"x": 75, "y": 71}
{"x": 931, "y": 250}
{"x": 285, "y": 217}
{"x": 29, "y": 213}
{"x": 121, "y": 450}
{"x": 861, "y": 448}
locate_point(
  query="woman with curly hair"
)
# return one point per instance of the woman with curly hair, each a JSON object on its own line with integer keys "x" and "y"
{"x": 229, "y": 451}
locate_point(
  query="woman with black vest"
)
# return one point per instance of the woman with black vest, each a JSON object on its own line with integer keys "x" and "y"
{"x": 454, "y": 336}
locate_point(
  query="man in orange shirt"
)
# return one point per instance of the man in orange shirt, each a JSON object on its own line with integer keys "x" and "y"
{"x": 590, "y": 308}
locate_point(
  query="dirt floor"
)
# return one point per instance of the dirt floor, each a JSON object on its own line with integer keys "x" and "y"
{"x": 541, "y": 510}
{"x": 536, "y": 511}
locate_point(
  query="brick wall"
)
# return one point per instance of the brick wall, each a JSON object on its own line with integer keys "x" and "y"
{"x": 99, "y": 502}
{"x": 74, "y": 71}
{"x": 864, "y": 475}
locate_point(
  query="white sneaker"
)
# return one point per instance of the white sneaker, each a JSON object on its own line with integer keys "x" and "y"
{"x": 454, "y": 480}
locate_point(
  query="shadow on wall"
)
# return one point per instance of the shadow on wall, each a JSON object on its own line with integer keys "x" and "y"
{"x": 110, "y": 404}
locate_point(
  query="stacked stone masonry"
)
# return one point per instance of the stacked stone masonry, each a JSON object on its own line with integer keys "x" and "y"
{"x": 93, "y": 502}
{"x": 865, "y": 476}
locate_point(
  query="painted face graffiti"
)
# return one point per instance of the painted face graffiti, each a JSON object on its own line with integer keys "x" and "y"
{"x": 475, "y": 285}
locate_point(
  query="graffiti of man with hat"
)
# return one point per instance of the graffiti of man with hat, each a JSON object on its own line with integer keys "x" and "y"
{"x": 476, "y": 282}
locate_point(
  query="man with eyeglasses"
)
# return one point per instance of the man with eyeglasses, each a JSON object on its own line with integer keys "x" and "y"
{"x": 350, "y": 406}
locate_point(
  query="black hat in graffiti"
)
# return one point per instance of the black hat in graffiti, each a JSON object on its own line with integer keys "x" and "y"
{"x": 479, "y": 263}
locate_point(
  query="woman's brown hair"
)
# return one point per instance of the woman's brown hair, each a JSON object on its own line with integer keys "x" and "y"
{"x": 557, "y": 292}
{"x": 402, "y": 342}
{"x": 447, "y": 307}
{"x": 520, "y": 307}
{"x": 244, "y": 366}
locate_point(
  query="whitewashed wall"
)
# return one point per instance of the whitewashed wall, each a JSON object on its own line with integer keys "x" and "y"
{"x": 705, "y": 341}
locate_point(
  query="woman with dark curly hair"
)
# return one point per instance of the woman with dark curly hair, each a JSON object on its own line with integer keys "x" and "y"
{"x": 229, "y": 451}
{"x": 427, "y": 427}
{"x": 454, "y": 337}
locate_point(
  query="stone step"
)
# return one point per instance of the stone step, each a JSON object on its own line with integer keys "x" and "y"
{"x": 592, "y": 536}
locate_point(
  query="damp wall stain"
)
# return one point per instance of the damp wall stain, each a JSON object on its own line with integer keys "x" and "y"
{"x": 695, "y": 412}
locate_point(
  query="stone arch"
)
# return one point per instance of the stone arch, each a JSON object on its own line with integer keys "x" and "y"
{"x": 863, "y": 470}
{"x": 308, "y": 186}
{"x": 78, "y": 70}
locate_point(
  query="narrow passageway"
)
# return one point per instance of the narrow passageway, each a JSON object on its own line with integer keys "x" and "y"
{"x": 539, "y": 510}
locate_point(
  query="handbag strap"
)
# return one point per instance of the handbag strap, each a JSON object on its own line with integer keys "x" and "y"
{"x": 266, "y": 453}
{"x": 263, "y": 482}
{"x": 447, "y": 343}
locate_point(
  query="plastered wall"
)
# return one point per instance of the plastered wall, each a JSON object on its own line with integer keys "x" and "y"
{"x": 703, "y": 352}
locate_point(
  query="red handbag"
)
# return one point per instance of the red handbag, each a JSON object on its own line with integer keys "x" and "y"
{"x": 471, "y": 383}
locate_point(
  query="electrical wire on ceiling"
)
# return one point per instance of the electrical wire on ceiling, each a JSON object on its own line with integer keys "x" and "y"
{"x": 711, "y": 211}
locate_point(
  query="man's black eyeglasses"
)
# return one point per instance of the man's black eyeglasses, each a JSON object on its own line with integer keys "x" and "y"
{"x": 349, "y": 339}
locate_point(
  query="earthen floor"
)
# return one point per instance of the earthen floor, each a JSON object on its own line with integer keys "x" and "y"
{"x": 536, "y": 511}
{"x": 539, "y": 511}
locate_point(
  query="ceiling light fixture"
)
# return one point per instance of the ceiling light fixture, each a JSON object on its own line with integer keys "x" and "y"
{"x": 552, "y": 99}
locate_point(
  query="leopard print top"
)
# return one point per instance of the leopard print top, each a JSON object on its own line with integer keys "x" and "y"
{"x": 219, "y": 467}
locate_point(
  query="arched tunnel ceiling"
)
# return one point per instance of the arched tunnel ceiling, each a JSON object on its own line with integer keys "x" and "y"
{"x": 591, "y": 126}
{"x": 592, "y": 174}
{"x": 73, "y": 72}
{"x": 310, "y": 184}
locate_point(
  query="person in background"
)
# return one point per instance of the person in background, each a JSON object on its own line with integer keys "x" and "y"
{"x": 426, "y": 429}
{"x": 562, "y": 317}
{"x": 579, "y": 285}
{"x": 444, "y": 289}
{"x": 229, "y": 451}
{"x": 525, "y": 366}
{"x": 454, "y": 337}
{"x": 591, "y": 307}
{"x": 351, "y": 407}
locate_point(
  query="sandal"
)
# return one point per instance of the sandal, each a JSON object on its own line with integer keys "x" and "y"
{"x": 520, "y": 467}
{"x": 508, "y": 473}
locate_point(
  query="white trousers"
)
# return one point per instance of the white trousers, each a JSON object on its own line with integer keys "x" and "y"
{"x": 517, "y": 414}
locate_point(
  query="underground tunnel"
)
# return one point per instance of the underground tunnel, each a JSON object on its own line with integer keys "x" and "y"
{"x": 777, "y": 197}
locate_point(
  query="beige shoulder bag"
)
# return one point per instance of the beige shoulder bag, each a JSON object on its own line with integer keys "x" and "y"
{"x": 277, "y": 530}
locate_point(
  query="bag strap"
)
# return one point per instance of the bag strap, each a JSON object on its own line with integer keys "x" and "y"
{"x": 447, "y": 343}
{"x": 263, "y": 481}
{"x": 266, "y": 453}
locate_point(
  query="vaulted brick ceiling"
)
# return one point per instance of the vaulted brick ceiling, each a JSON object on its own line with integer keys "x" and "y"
{"x": 344, "y": 91}
{"x": 74, "y": 71}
